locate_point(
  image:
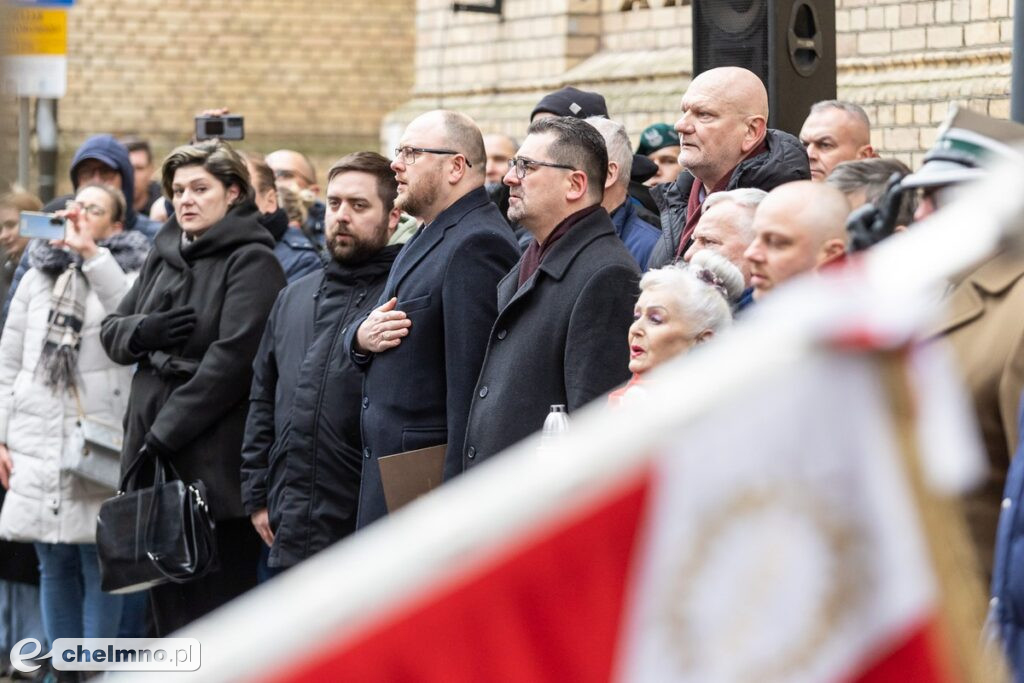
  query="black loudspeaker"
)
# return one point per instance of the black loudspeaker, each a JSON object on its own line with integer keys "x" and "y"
{"x": 789, "y": 44}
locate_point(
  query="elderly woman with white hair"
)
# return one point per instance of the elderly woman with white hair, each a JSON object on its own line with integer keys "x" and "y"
{"x": 679, "y": 307}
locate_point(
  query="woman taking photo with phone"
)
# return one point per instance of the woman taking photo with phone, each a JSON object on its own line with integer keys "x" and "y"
{"x": 53, "y": 374}
{"x": 193, "y": 322}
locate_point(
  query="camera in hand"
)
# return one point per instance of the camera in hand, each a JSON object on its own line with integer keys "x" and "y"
{"x": 223, "y": 127}
{"x": 44, "y": 226}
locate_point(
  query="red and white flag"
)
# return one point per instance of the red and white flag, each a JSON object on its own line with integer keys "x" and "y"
{"x": 752, "y": 520}
{"x": 774, "y": 538}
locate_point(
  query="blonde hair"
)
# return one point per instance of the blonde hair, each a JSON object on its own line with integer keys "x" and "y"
{"x": 295, "y": 204}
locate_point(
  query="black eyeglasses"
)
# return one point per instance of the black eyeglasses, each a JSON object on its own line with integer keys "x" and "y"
{"x": 408, "y": 155}
{"x": 288, "y": 174}
{"x": 522, "y": 164}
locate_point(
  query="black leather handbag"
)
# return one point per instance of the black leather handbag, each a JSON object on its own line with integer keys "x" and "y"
{"x": 157, "y": 534}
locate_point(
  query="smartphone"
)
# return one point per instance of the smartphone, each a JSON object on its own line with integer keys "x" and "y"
{"x": 223, "y": 127}
{"x": 44, "y": 226}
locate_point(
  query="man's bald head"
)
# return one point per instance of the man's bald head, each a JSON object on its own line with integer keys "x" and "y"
{"x": 499, "y": 148}
{"x": 799, "y": 227}
{"x": 430, "y": 181}
{"x": 724, "y": 118}
{"x": 457, "y": 132}
{"x": 292, "y": 169}
{"x": 739, "y": 87}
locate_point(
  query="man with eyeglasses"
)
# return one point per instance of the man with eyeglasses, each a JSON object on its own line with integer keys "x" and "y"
{"x": 422, "y": 347}
{"x": 565, "y": 309}
{"x": 295, "y": 170}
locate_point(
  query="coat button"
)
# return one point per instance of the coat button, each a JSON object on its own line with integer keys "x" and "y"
{"x": 502, "y": 334}
{"x": 366, "y": 453}
{"x": 366, "y": 402}
{"x": 1007, "y": 503}
{"x": 117, "y": 392}
{"x": 471, "y": 453}
{"x": 483, "y": 392}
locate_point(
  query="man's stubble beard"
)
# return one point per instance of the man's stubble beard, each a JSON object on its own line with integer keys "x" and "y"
{"x": 361, "y": 250}
{"x": 417, "y": 201}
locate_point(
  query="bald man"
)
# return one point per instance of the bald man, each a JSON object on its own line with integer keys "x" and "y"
{"x": 422, "y": 346}
{"x": 799, "y": 227}
{"x": 834, "y": 132}
{"x": 724, "y": 144}
{"x": 500, "y": 148}
{"x": 295, "y": 171}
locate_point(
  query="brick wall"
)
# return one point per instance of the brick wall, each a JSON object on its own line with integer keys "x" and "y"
{"x": 906, "y": 61}
{"x": 314, "y": 75}
{"x": 903, "y": 61}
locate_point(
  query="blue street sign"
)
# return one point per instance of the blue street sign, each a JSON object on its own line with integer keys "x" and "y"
{"x": 44, "y": 3}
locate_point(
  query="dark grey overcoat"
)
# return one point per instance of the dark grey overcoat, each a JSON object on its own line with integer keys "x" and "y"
{"x": 560, "y": 338}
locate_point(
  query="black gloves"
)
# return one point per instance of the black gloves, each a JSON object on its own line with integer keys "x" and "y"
{"x": 165, "y": 328}
{"x": 871, "y": 223}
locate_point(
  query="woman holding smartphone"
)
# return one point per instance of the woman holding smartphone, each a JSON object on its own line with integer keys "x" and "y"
{"x": 53, "y": 372}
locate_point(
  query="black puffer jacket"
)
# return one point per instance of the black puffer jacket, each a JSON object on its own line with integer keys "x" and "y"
{"x": 302, "y": 457}
{"x": 785, "y": 161}
{"x": 193, "y": 397}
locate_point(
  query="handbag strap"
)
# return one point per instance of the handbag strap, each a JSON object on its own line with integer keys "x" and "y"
{"x": 161, "y": 467}
{"x": 198, "y": 533}
{"x": 78, "y": 403}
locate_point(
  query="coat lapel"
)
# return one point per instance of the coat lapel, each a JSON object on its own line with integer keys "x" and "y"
{"x": 424, "y": 241}
{"x": 557, "y": 262}
{"x": 508, "y": 294}
{"x": 418, "y": 247}
{"x": 966, "y": 303}
{"x": 963, "y": 306}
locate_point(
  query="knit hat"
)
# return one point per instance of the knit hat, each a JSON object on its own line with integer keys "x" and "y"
{"x": 968, "y": 144}
{"x": 657, "y": 136}
{"x": 572, "y": 102}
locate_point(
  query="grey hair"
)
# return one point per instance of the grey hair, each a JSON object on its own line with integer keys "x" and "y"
{"x": 747, "y": 197}
{"x": 871, "y": 176}
{"x": 703, "y": 288}
{"x": 620, "y": 150}
{"x": 854, "y": 110}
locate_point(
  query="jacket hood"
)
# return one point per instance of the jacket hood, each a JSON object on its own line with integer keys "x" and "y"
{"x": 407, "y": 226}
{"x": 238, "y": 228}
{"x": 784, "y": 162}
{"x": 107, "y": 149}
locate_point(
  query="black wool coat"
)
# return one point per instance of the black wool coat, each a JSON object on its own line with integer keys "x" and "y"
{"x": 193, "y": 398}
{"x": 302, "y": 458}
{"x": 560, "y": 338}
{"x": 417, "y": 394}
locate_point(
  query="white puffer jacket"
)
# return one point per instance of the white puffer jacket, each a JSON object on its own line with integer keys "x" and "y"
{"x": 44, "y": 504}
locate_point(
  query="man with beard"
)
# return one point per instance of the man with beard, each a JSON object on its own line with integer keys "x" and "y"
{"x": 301, "y": 458}
{"x": 422, "y": 347}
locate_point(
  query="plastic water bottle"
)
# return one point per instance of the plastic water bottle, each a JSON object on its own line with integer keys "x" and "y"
{"x": 556, "y": 424}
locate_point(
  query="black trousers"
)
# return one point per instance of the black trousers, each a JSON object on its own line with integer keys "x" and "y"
{"x": 177, "y": 605}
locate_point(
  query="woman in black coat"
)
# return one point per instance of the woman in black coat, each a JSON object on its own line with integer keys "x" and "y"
{"x": 193, "y": 322}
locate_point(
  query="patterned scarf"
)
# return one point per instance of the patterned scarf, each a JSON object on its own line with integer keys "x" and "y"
{"x": 58, "y": 363}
